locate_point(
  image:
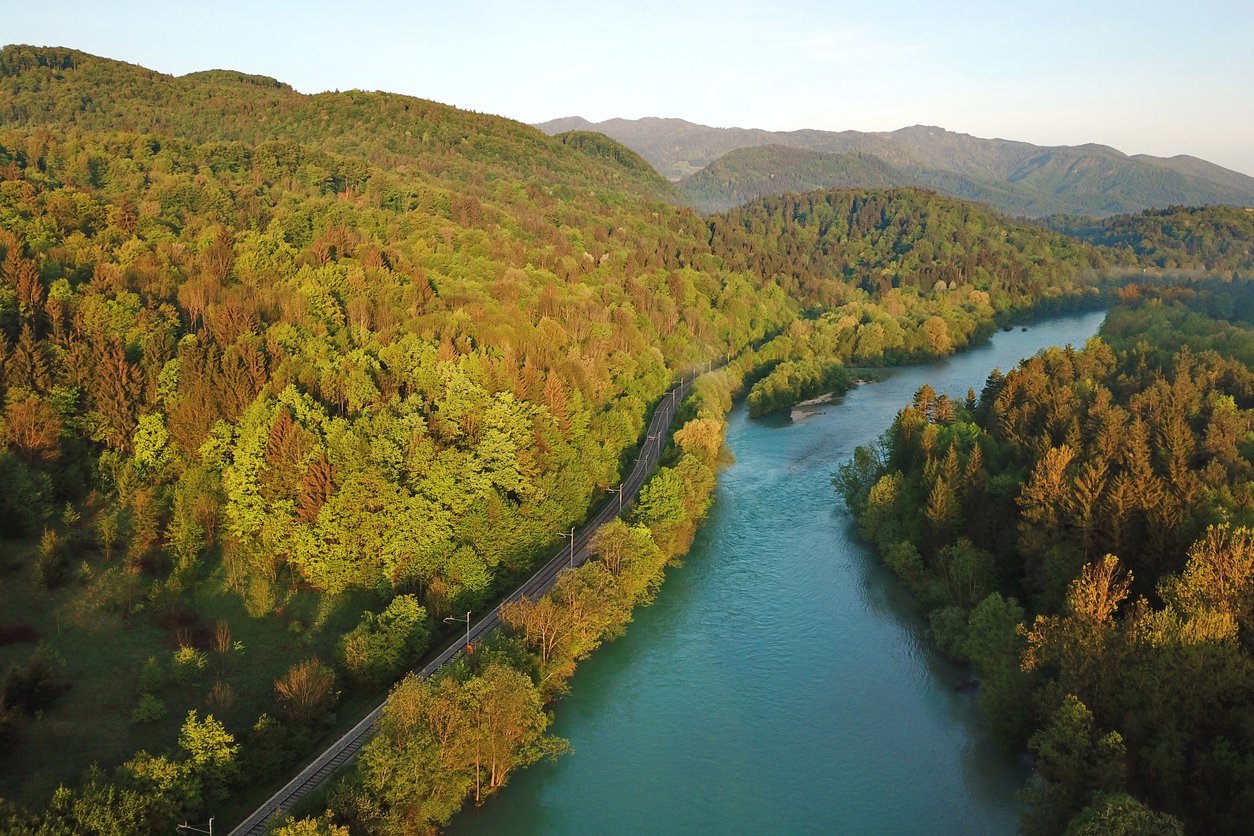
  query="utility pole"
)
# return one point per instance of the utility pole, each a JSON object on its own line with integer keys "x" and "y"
{"x": 184, "y": 827}
{"x": 619, "y": 491}
{"x": 451, "y": 618}
{"x": 571, "y": 535}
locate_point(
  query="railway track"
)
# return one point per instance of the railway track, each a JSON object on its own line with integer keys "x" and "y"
{"x": 344, "y": 749}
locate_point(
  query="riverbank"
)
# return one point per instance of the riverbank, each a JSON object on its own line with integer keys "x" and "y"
{"x": 781, "y": 641}
{"x": 521, "y": 668}
{"x": 1079, "y": 532}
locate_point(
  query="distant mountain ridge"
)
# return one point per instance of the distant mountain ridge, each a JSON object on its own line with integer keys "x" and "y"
{"x": 757, "y": 171}
{"x": 1016, "y": 177}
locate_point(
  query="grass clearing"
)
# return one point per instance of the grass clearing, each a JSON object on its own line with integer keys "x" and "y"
{"x": 104, "y": 630}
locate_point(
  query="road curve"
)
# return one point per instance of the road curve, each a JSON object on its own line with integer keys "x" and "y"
{"x": 346, "y": 747}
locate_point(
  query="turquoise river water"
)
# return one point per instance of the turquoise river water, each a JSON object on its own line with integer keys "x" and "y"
{"x": 781, "y": 682}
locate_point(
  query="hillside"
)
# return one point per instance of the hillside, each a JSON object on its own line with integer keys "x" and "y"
{"x": 1186, "y": 164}
{"x": 749, "y": 173}
{"x": 287, "y": 380}
{"x": 817, "y": 246}
{"x": 1217, "y": 239}
{"x": 626, "y": 163}
{"x": 1015, "y": 177}
{"x": 762, "y": 171}
{"x": 70, "y": 89}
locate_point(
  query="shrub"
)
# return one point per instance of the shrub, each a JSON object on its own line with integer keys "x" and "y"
{"x": 221, "y": 697}
{"x": 222, "y": 637}
{"x": 153, "y": 676}
{"x": 949, "y": 631}
{"x": 37, "y": 684}
{"x": 380, "y": 647}
{"x": 149, "y": 710}
{"x": 321, "y": 826}
{"x": 307, "y": 691}
{"x": 50, "y": 561}
{"x": 187, "y": 662}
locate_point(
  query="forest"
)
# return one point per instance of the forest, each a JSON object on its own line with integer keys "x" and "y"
{"x": 288, "y": 379}
{"x": 1218, "y": 239}
{"x": 894, "y": 276}
{"x": 1080, "y": 533}
{"x": 272, "y": 412}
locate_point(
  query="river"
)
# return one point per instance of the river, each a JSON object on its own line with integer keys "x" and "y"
{"x": 781, "y": 683}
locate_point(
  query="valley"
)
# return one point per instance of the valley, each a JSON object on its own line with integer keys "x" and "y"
{"x": 297, "y": 387}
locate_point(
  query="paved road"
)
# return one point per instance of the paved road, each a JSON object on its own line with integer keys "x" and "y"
{"x": 346, "y": 748}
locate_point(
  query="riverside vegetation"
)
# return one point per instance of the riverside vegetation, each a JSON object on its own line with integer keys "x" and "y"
{"x": 286, "y": 379}
{"x": 1080, "y": 532}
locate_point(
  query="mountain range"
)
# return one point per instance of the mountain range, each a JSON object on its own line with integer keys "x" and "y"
{"x": 721, "y": 167}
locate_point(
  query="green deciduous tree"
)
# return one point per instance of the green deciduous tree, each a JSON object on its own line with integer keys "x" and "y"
{"x": 381, "y": 646}
{"x": 1074, "y": 762}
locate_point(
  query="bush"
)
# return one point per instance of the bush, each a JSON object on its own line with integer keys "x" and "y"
{"x": 152, "y": 677}
{"x": 307, "y": 691}
{"x": 321, "y": 826}
{"x": 50, "y": 570}
{"x": 221, "y": 697}
{"x": 37, "y": 684}
{"x": 149, "y": 710}
{"x": 906, "y": 563}
{"x": 268, "y": 748}
{"x": 187, "y": 662}
{"x": 380, "y": 648}
{"x": 949, "y": 631}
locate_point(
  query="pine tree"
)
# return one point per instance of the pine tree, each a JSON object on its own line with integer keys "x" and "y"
{"x": 315, "y": 490}
{"x": 115, "y": 395}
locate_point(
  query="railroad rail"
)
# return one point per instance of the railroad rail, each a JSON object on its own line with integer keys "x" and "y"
{"x": 343, "y": 750}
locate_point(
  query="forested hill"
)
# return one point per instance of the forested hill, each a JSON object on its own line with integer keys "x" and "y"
{"x": 819, "y": 245}
{"x": 1015, "y": 177}
{"x": 288, "y": 379}
{"x": 1081, "y": 533}
{"x": 64, "y": 88}
{"x": 750, "y": 173}
{"x": 1218, "y": 239}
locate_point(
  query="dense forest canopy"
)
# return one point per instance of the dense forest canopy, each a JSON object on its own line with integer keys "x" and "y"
{"x": 287, "y": 379}
{"x": 60, "y": 88}
{"x": 747, "y": 174}
{"x": 255, "y": 389}
{"x": 1218, "y": 239}
{"x": 1081, "y": 532}
{"x": 823, "y": 243}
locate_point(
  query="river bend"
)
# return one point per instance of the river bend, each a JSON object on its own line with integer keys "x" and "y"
{"x": 781, "y": 682}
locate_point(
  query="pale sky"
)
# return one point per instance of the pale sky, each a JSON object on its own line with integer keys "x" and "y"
{"x": 1151, "y": 77}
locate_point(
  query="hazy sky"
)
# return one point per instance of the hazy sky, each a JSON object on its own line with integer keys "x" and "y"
{"x": 1145, "y": 77}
